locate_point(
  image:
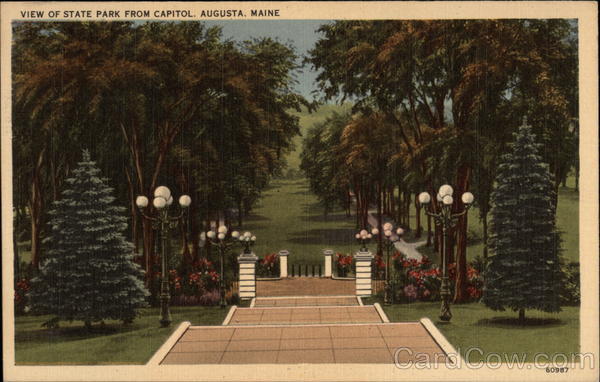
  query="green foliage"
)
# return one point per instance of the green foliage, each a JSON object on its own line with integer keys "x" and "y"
{"x": 321, "y": 163}
{"x": 570, "y": 293}
{"x": 88, "y": 273}
{"x": 524, "y": 271}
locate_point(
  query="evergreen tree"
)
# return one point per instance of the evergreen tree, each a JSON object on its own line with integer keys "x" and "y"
{"x": 88, "y": 273}
{"x": 524, "y": 271}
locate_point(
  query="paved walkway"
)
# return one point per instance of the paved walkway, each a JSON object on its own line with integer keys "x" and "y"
{"x": 371, "y": 343}
{"x": 409, "y": 249}
{"x": 305, "y": 286}
{"x": 306, "y": 301}
{"x": 305, "y": 334}
{"x": 305, "y": 315}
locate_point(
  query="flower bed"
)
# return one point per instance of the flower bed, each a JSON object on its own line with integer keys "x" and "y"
{"x": 199, "y": 285}
{"x": 268, "y": 266}
{"x": 420, "y": 280}
{"x": 343, "y": 264}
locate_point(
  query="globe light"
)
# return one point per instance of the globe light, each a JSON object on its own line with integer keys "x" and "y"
{"x": 235, "y": 234}
{"x": 375, "y": 231}
{"x": 424, "y": 198}
{"x": 141, "y": 201}
{"x": 363, "y": 232}
{"x": 387, "y": 233}
{"x": 242, "y": 237}
{"x": 170, "y": 200}
{"x": 447, "y": 200}
{"x": 221, "y": 236}
{"x": 222, "y": 229}
{"x": 446, "y": 189}
{"x": 246, "y": 238}
{"x": 247, "y": 234}
{"x": 253, "y": 238}
{"x": 210, "y": 234}
{"x": 159, "y": 203}
{"x": 399, "y": 231}
{"x": 203, "y": 236}
{"x": 369, "y": 236}
{"x": 163, "y": 192}
{"x": 185, "y": 201}
{"x": 439, "y": 198}
{"x": 388, "y": 226}
{"x": 467, "y": 198}
{"x": 357, "y": 236}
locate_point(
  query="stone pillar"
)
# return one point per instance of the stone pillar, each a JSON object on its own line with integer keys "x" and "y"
{"x": 247, "y": 276}
{"x": 283, "y": 263}
{"x": 328, "y": 254}
{"x": 363, "y": 262}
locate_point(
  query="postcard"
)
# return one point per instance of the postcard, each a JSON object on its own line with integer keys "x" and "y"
{"x": 315, "y": 191}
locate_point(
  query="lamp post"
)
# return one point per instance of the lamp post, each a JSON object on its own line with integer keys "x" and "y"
{"x": 447, "y": 220}
{"x": 390, "y": 243}
{"x": 163, "y": 222}
{"x": 364, "y": 237}
{"x": 220, "y": 240}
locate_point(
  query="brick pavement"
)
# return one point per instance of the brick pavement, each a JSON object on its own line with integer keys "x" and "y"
{"x": 305, "y": 286}
{"x": 337, "y": 343}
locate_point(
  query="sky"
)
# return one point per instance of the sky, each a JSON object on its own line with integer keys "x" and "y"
{"x": 301, "y": 34}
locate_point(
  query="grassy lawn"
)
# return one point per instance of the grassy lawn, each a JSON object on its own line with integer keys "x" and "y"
{"x": 289, "y": 217}
{"x": 114, "y": 344}
{"x": 474, "y": 325}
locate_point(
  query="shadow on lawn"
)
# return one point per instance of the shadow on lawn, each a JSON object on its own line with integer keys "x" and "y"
{"x": 256, "y": 218}
{"x": 341, "y": 217}
{"x": 72, "y": 333}
{"x": 330, "y": 236}
{"x": 513, "y": 322}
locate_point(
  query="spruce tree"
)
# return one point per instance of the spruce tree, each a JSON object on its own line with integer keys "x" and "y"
{"x": 88, "y": 273}
{"x": 524, "y": 271}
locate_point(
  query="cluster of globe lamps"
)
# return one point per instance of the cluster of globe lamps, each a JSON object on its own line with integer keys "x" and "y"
{"x": 163, "y": 222}
{"x": 446, "y": 219}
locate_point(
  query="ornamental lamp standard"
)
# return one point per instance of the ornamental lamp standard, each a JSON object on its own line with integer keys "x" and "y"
{"x": 390, "y": 243}
{"x": 364, "y": 237}
{"x": 163, "y": 222}
{"x": 447, "y": 220}
{"x": 223, "y": 242}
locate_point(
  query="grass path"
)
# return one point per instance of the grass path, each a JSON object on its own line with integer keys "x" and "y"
{"x": 289, "y": 217}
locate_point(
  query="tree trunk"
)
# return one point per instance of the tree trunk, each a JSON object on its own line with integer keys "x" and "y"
{"x": 379, "y": 219}
{"x": 521, "y": 316}
{"x": 240, "y": 214}
{"x": 133, "y": 212}
{"x": 36, "y": 207}
{"x": 419, "y": 229}
{"x": 485, "y": 235}
{"x": 407, "y": 210}
{"x": 429, "y": 231}
{"x": 460, "y": 291}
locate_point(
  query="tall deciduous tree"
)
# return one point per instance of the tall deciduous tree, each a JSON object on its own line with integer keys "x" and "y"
{"x": 445, "y": 85}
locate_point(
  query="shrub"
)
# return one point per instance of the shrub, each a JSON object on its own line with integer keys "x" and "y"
{"x": 570, "y": 293}
{"x": 421, "y": 280}
{"x": 343, "y": 264}
{"x": 378, "y": 269}
{"x": 268, "y": 266}
{"x": 21, "y": 289}
{"x": 193, "y": 284}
